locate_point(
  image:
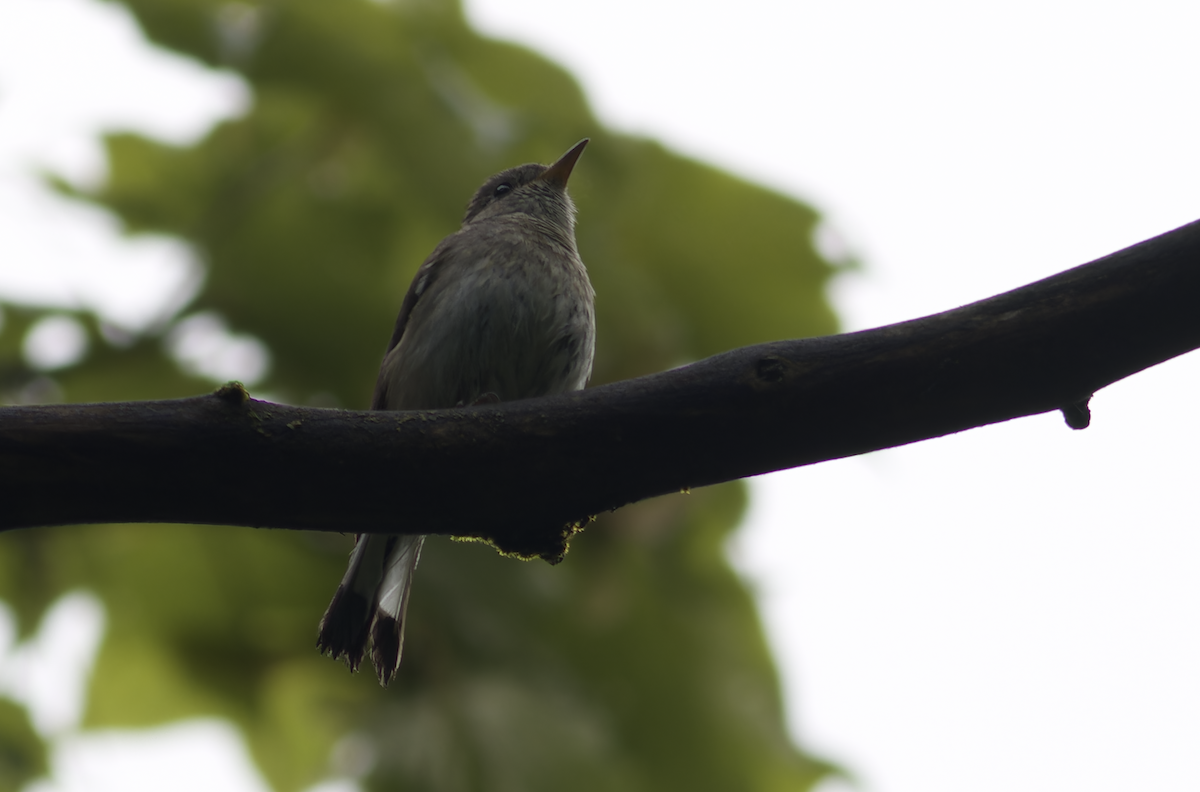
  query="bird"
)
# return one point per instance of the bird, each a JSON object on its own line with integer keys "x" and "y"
{"x": 502, "y": 309}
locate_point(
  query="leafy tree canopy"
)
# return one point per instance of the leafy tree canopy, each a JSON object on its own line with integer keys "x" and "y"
{"x": 637, "y": 664}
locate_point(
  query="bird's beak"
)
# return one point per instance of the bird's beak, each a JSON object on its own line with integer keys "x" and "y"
{"x": 558, "y": 173}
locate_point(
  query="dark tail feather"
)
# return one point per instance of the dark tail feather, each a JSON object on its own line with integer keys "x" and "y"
{"x": 387, "y": 642}
{"x": 346, "y": 624}
{"x": 343, "y": 631}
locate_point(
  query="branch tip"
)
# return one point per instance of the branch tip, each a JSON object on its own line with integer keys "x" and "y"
{"x": 1077, "y": 414}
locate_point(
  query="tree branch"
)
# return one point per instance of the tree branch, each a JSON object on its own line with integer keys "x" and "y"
{"x": 516, "y": 473}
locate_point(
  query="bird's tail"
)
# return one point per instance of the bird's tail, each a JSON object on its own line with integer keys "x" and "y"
{"x": 391, "y": 606}
{"x": 372, "y": 601}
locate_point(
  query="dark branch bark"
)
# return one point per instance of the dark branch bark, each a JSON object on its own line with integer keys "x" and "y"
{"x": 516, "y": 473}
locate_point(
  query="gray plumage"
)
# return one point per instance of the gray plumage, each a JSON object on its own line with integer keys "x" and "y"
{"x": 501, "y": 310}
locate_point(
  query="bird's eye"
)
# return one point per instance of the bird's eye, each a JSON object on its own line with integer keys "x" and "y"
{"x": 502, "y": 189}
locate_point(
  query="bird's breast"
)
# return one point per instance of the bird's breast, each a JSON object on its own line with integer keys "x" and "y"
{"x": 513, "y": 318}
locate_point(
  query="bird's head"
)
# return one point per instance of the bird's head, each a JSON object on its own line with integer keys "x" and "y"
{"x": 536, "y": 190}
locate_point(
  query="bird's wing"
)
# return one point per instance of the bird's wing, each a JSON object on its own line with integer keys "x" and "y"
{"x": 427, "y": 274}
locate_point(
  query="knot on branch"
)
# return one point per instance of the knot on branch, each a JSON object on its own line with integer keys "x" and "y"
{"x": 771, "y": 369}
{"x": 233, "y": 393}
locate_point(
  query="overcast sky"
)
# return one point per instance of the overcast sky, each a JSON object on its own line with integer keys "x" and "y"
{"x": 1009, "y": 608}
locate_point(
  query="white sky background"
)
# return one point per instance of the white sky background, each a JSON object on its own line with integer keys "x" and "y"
{"x": 1014, "y": 607}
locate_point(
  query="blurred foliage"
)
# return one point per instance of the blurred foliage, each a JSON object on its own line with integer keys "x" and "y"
{"x": 639, "y": 663}
{"x": 22, "y": 754}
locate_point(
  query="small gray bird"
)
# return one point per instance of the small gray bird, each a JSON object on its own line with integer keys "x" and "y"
{"x": 501, "y": 310}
